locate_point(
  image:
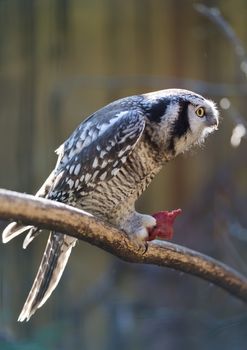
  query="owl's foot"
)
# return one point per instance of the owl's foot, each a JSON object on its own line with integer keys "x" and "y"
{"x": 137, "y": 227}
{"x": 164, "y": 225}
{"x": 140, "y": 245}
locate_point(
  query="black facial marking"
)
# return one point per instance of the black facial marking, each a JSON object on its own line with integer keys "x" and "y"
{"x": 181, "y": 125}
{"x": 157, "y": 110}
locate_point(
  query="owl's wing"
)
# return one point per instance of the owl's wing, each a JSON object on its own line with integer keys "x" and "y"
{"x": 95, "y": 152}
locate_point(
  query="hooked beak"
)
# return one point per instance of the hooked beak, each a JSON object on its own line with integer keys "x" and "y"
{"x": 212, "y": 121}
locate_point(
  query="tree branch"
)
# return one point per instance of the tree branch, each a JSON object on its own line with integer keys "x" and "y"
{"x": 52, "y": 215}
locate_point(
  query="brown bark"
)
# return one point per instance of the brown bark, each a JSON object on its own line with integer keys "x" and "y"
{"x": 77, "y": 223}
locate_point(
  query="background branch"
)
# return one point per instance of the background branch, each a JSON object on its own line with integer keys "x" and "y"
{"x": 216, "y": 17}
{"x": 77, "y": 223}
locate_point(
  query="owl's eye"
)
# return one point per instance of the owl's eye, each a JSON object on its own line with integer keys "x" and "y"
{"x": 200, "y": 112}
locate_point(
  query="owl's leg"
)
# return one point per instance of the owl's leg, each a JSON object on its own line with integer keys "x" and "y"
{"x": 137, "y": 225}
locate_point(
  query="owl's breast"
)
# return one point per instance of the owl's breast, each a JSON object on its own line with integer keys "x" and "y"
{"x": 116, "y": 197}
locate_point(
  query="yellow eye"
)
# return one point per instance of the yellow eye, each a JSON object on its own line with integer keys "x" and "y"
{"x": 200, "y": 112}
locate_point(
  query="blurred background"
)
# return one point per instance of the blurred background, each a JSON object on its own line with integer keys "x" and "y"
{"x": 60, "y": 60}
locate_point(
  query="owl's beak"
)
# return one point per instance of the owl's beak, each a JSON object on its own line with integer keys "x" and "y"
{"x": 212, "y": 121}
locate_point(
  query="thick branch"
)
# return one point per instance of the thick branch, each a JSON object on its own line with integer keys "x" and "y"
{"x": 65, "y": 219}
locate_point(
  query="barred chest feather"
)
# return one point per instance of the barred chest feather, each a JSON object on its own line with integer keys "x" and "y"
{"x": 115, "y": 198}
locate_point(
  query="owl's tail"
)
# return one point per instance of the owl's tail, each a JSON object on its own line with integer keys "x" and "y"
{"x": 54, "y": 260}
{"x": 15, "y": 229}
{"x": 53, "y": 263}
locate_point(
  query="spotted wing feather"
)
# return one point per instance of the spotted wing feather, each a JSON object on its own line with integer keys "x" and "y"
{"x": 96, "y": 152}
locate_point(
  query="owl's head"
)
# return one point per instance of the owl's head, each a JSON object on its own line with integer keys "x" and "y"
{"x": 187, "y": 118}
{"x": 203, "y": 116}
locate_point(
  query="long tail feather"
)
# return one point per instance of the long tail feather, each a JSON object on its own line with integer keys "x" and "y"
{"x": 12, "y": 230}
{"x": 54, "y": 260}
{"x": 32, "y": 233}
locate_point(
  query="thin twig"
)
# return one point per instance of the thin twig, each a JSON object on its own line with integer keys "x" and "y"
{"x": 215, "y": 16}
{"x": 77, "y": 223}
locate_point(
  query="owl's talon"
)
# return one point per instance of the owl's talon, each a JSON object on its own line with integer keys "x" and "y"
{"x": 139, "y": 245}
{"x": 143, "y": 247}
